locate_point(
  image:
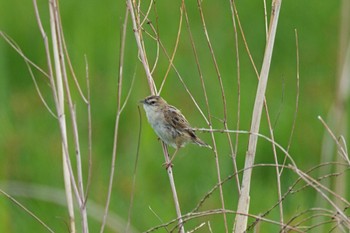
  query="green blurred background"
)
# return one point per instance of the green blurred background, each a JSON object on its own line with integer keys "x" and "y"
{"x": 30, "y": 141}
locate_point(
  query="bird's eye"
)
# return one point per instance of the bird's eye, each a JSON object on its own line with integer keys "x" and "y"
{"x": 152, "y": 102}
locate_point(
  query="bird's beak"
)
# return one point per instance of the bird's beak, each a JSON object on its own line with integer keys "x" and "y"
{"x": 142, "y": 101}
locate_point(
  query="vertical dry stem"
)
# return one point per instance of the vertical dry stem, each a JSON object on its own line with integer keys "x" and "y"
{"x": 234, "y": 155}
{"x": 173, "y": 189}
{"x": 135, "y": 18}
{"x": 59, "y": 84}
{"x": 244, "y": 200}
{"x": 338, "y": 113}
{"x": 225, "y": 112}
{"x": 337, "y": 116}
{"x": 141, "y": 51}
{"x": 61, "y": 117}
{"x": 117, "y": 120}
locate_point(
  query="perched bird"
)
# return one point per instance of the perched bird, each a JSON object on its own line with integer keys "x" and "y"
{"x": 169, "y": 124}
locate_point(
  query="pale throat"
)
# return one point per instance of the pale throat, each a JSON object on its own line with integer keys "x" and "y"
{"x": 157, "y": 121}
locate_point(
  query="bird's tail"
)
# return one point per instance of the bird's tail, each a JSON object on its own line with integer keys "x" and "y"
{"x": 199, "y": 142}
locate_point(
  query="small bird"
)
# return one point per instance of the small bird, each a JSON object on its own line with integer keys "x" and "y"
{"x": 169, "y": 124}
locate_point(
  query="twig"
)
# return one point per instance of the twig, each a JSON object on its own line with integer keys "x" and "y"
{"x": 341, "y": 149}
{"x": 88, "y": 183}
{"x": 56, "y": 196}
{"x": 298, "y": 89}
{"x": 116, "y": 127}
{"x": 155, "y": 37}
{"x": 134, "y": 173}
{"x": 145, "y": 18}
{"x": 135, "y": 20}
{"x": 141, "y": 51}
{"x": 297, "y": 95}
{"x": 182, "y": 81}
{"x": 197, "y": 227}
{"x": 159, "y": 218}
{"x": 199, "y": 3}
{"x": 192, "y": 216}
{"x": 313, "y": 216}
{"x": 209, "y": 227}
{"x": 64, "y": 47}
{"x": 27, "y": 210}
{"x": 29, "y": 63}
{"x": 173, "y": 188}
{"x": 316, "y": 185}
{"x": 244, "y": 39}
{"x": 291, "y": 190}
{"x": 234, "y": 156}
{"x": 175, "y": 49}
{"x": 57, "y": 93}
{"x": 12, "y": 43}
{"x": 265, "y": 20}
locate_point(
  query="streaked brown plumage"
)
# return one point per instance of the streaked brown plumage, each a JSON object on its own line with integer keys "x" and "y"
{"x": 169, "y": 124}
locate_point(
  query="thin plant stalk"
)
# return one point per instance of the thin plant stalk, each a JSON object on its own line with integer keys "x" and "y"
{"x": 243, "y": 37}
{"x": 265, "y": 19}
{"x": 135, "y": 18}
{"x": 234, "y": 155}
{"x": 132, "y": 193}
{"x": 173, "y": 188}
{"x": 141, "y": 51}
{"x": 225, "y": 111}
{"x": 12, "y": 43}
{"x": 116, "y": 128}
{"x": 26, "y": 210}
{"x": 88, "y": 102}
{"x": 207, "y": 213}
{"x": 175, "y": 48}
{"x": 29, "y": 64}
{"x": 62, "y": 82}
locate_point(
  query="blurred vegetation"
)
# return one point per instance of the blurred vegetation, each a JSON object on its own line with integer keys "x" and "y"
{"x": 30, "y": 141}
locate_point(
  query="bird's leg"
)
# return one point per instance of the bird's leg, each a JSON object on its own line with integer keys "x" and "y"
{"x": 168, "y": 164}
{"x": 172, "y": 157}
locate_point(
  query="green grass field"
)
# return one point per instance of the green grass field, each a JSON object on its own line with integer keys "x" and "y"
{"x": 30, "y": 141}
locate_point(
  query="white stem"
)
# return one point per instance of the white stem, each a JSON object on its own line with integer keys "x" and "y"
{"x": 244, "y": 199}
{"x": 61, "y": 118}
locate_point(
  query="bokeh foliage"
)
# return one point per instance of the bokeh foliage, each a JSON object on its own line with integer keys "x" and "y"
{"x": 29, "y": 136}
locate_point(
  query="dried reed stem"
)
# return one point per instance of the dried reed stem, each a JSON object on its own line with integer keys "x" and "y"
{"x": 234, "y": 155}
{"x": 26, "y": 210}
{"x": 337, "y": 115}
{"x": 61, "y": 117}
{"x": 217, "y": 164}
{"x": 244, "y": 200}
{"x": 117, "y": 120}
{"x": 135, "y": 18}
{"x": 59, "y": 85}
{"x": 142, "y": 54}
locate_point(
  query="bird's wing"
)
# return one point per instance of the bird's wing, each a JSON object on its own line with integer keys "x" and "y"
{"x": 178, "y": 121}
